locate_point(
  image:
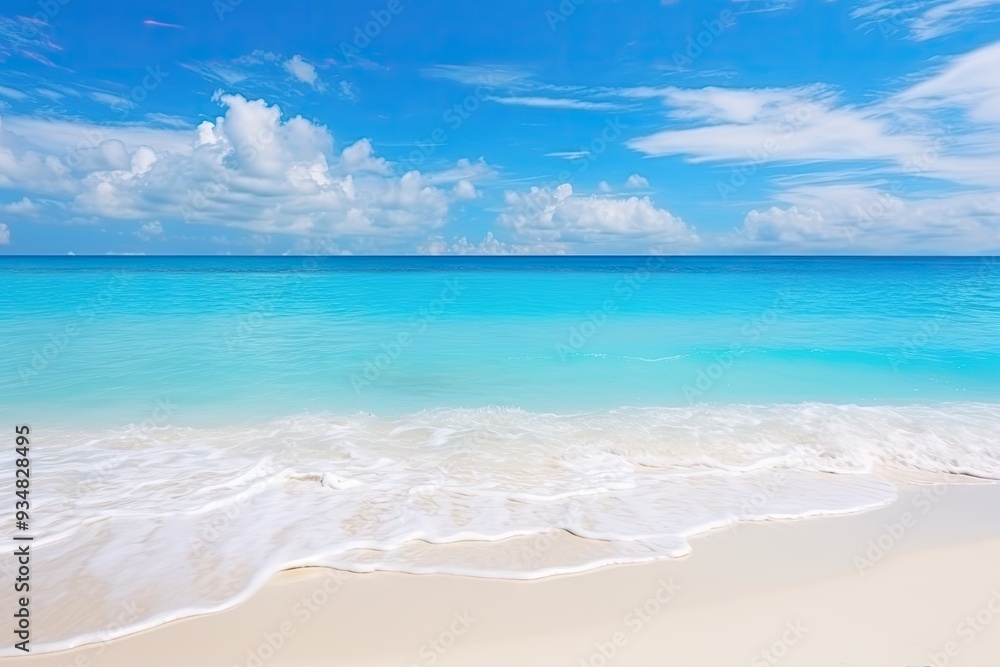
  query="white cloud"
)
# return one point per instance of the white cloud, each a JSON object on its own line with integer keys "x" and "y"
{"x": 161, "y": 24}
{"x": 347, "y": 90}
{"x": 360, "y": 156}
{"x": 249, "y": 168}
{"x": 478, "y": 75}
{"x": 219, "y": 72}
{"x": 12, "y": 93}
{"x": 168, "y": 120}
{"x": 149, "y": 229}
{"x": 636, "y": 181}
{"x": 968, "y": 82}
{"x": 463, "y": 170}
{"x": 26, "y": 37}
{"x": 64, "y": 139}
{"x": 937, "y": 137}
{"x": 773, "y": 125}
{"x": 490, "y": 245}
{"x": 23, "y": 207}
{"x": 302, "y": 70}
{"x": 604, "y": 186}
{"x": 464, "y": 189}
{"x": 790, "y": 225}
{"x": 569, "y": 155}
{"x": 260, "y": 71}
{"x": 114, "y": 101}
{"x": 862, "y": 218}
{"x": 555, "y": 103}
{"x": 925, "y": 19}
{"x": 557, "y": 215}
{"x": 4, "y": 234}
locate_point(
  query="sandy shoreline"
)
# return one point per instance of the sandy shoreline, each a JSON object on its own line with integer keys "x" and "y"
{"x": 915, "y": 583}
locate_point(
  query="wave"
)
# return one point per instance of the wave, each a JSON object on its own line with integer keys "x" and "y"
{"x": 176, "y": 521}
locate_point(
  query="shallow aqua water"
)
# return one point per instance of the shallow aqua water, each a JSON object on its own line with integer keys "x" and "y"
{"x": 252, "y": 338}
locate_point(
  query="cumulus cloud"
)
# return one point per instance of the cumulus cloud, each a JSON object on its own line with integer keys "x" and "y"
{"x": 4, "y": 234}
{"x": 636, "y": 181}
{"x": 557, "y": 215}
{"x": 360, "y": 156}
{"x": 937, "y": 136}
{"x": 464, "y": 189}
{"x": 249, "y": 168}
{"x": 863, "y": 218}
{"x": 789, "y": 225}
{"x": 22, "y": 207}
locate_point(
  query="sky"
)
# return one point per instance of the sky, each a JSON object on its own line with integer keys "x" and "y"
{"x": 521, "y": 127}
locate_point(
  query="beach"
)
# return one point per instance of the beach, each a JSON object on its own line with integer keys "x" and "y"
{"x": 415, "y": 461}
{"x": 914, "y": 583}
{"x": 521, "y": 334}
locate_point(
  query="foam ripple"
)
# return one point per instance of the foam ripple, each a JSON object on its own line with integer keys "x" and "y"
{"x": 181, "y": 521}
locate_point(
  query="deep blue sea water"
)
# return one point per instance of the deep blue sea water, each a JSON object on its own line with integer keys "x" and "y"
{"x": 198, "y": 416}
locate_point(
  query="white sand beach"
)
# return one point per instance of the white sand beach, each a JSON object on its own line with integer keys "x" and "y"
{"x": 913, "y": 584}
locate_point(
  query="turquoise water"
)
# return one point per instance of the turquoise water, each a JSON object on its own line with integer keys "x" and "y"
{"x": 103, "y": 339}
{"x": 192, "y": 416}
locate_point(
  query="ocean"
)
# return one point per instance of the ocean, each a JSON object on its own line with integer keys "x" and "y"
{"x": 202, "y": 423}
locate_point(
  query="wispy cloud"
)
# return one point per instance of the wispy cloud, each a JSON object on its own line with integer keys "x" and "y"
{"x": 348, "y": 91}
{"x": 928, "y": 163}
{"x": 774, "y": 125}
{"x": 757, "y": 6}
{"x": 12, "y": 93}
{"x": 168, "y": 120}
{"x": 27, "y": 38}
{"x": 569, "y": 155}
{"x": 924, "y": 19}
{"x": 515, "y": 87}
{"x": 479, "y": 75}
{"x": 218, "y": 72}
{"x": 160, "y": 24}
{"x": 262, "y": 71}
{"x": 556, "y": 103}
{"x": 113, "y": 101}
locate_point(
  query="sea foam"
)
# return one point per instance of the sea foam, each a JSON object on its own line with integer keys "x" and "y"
{"x": 171, "y": 522}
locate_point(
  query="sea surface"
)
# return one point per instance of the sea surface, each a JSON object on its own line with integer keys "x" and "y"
{"x": 199, "y": 424}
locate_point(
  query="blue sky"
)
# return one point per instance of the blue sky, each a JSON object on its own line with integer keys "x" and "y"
{"x": 581, "y": 126}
